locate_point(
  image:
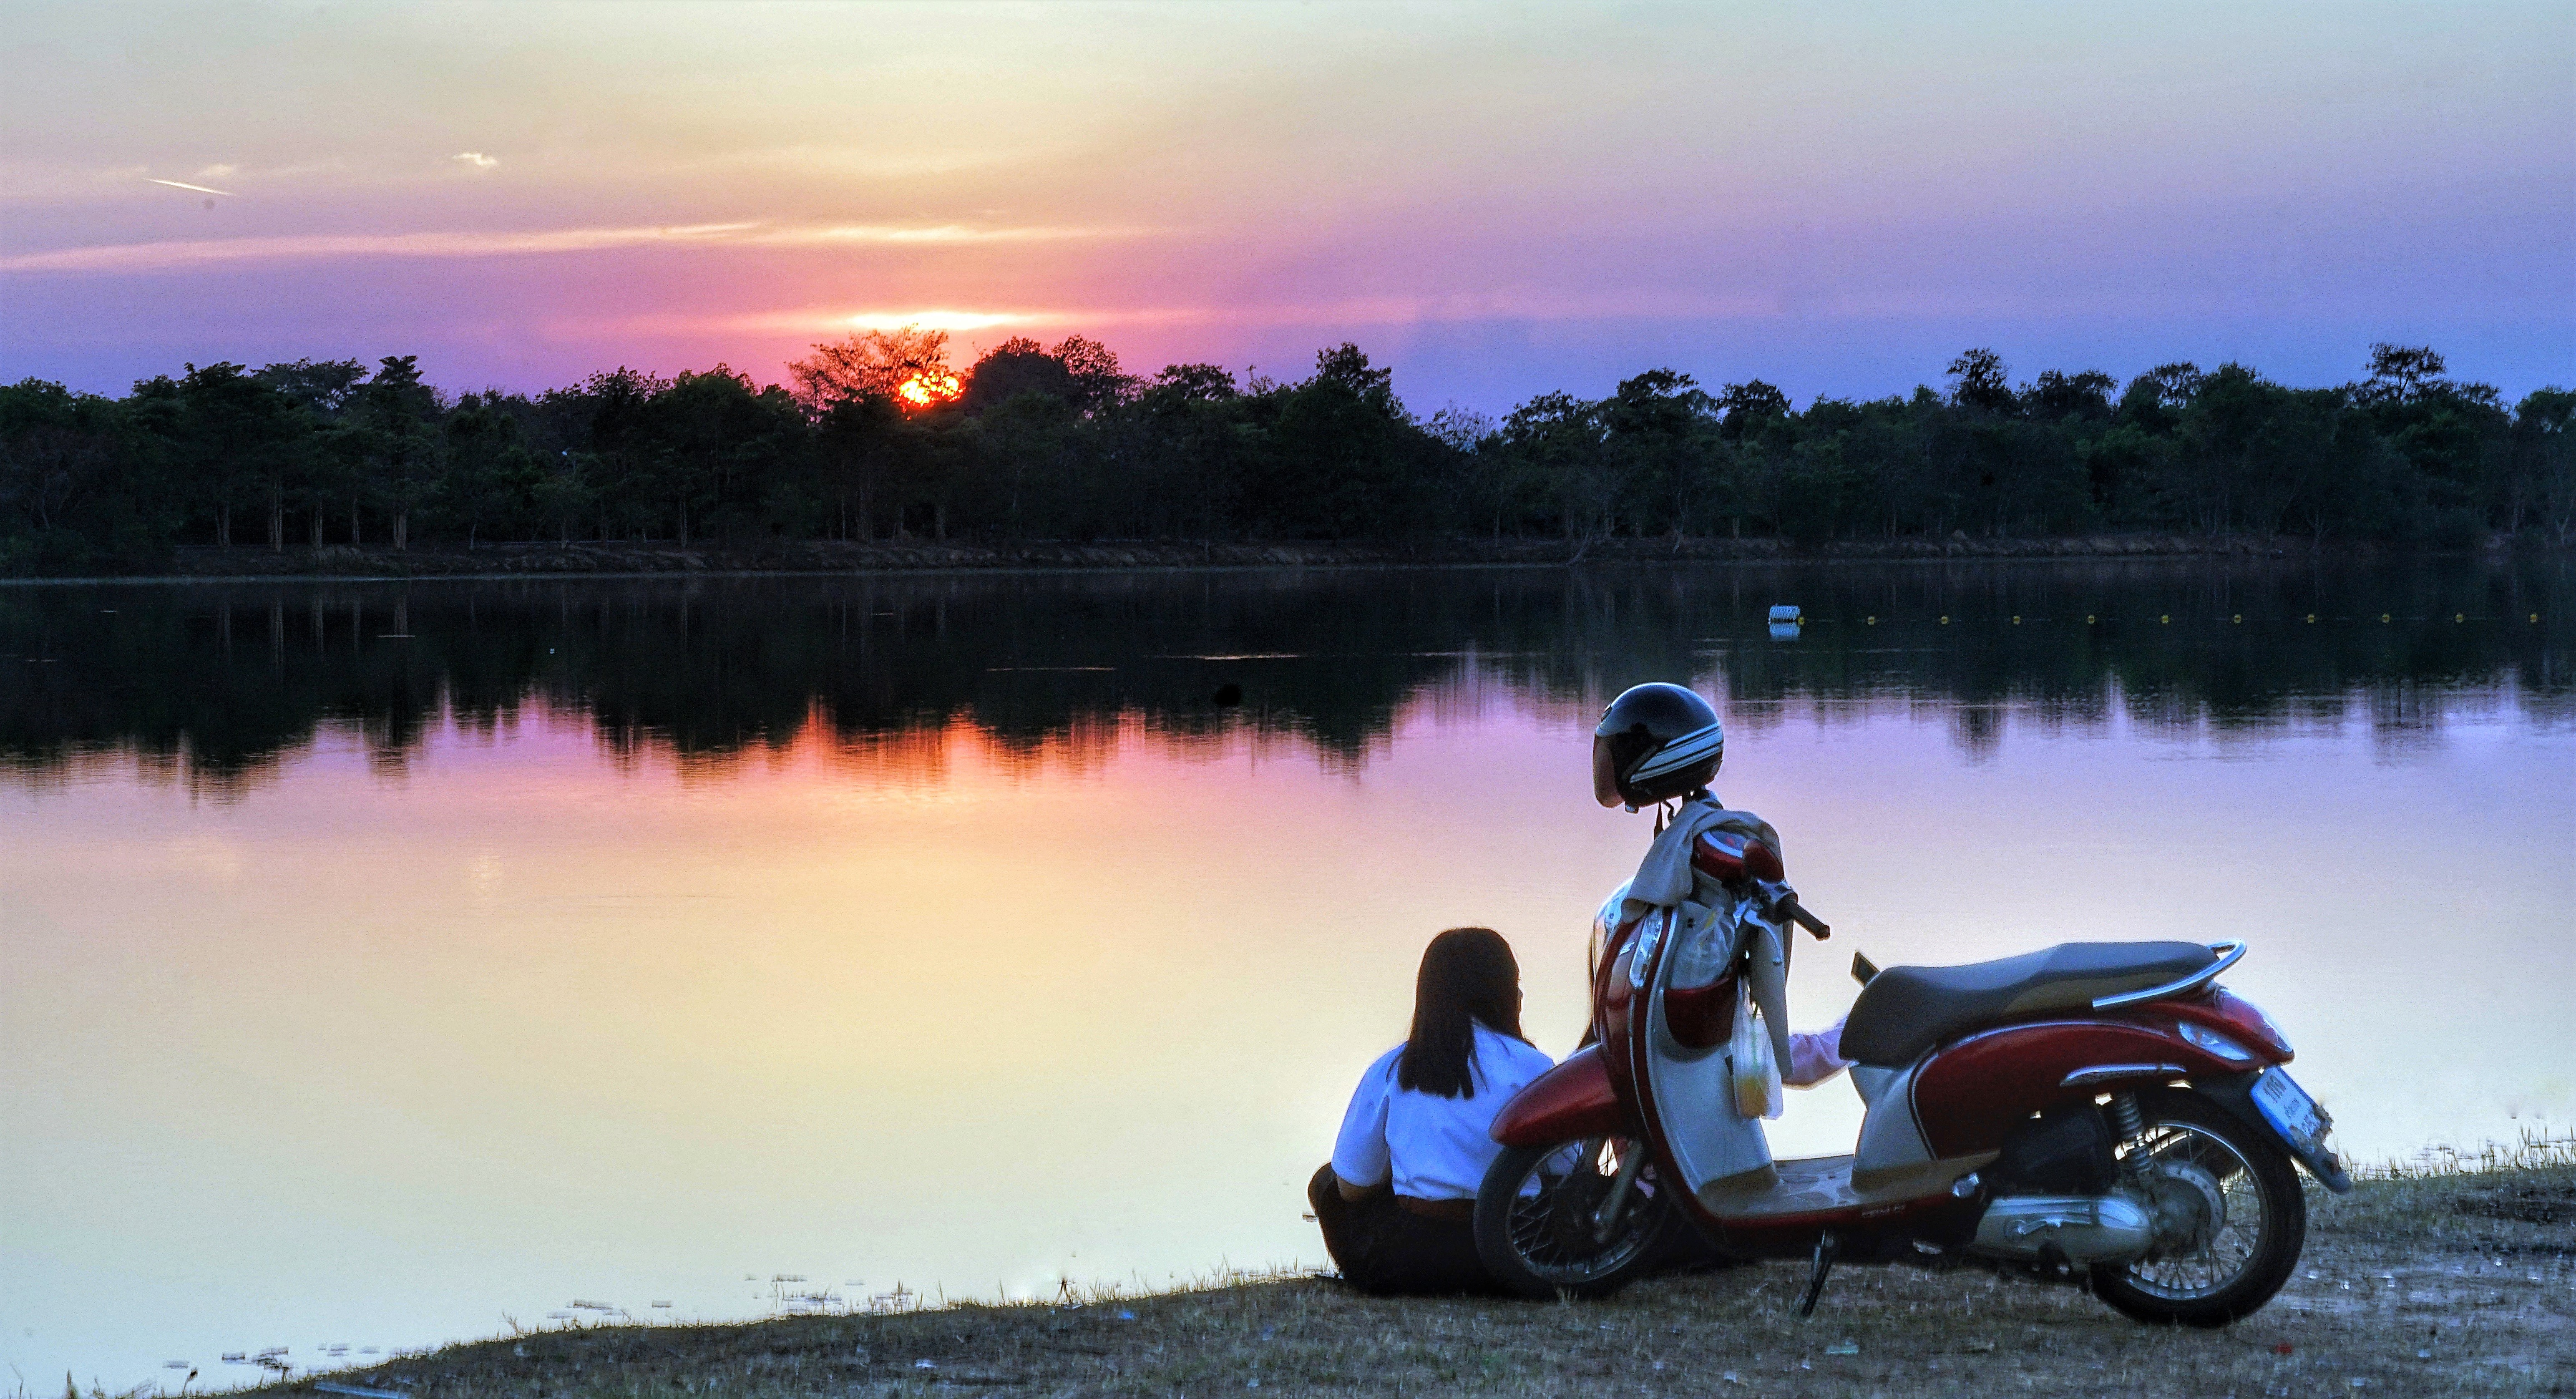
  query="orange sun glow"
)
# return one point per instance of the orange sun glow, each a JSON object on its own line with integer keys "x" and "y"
{"x": 928, "y": 387}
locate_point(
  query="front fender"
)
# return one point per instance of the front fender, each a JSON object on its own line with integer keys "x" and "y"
{"x": 1573, "y": 1100}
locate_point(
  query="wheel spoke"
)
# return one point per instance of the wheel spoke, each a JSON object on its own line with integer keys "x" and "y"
{"x": 1551, "y": 1224}
{"x": 2202, "y": 1178}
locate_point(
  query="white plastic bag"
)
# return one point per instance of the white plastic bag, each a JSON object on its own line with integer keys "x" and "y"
{"x": 1754, "y": 1071}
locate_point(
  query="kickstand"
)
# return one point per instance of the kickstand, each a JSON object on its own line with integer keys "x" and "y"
{"x": 1827, "y": 1248}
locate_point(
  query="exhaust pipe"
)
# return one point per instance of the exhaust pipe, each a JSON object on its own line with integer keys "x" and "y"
{"x": 2078, "y": 1228}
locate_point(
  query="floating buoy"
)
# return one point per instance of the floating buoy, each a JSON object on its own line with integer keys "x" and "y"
{"x": 2016, "y": 619}
{"x": 1786, "y": 612}
{"x": 2165, "y": 620}
{"x": 1945, "y": 619}
{"x": 2088, "y": 619}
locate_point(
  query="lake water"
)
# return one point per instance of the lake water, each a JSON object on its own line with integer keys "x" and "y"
{"x": 384, "y": 964}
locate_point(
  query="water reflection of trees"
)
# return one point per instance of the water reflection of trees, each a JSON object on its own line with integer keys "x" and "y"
{"x": 219, "y": 681}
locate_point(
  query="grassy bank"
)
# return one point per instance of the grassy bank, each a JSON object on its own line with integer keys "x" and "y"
{"x": 2453, "y": 1277}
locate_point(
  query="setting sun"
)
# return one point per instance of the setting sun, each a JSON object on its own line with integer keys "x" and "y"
{"x": 928, "y": 389}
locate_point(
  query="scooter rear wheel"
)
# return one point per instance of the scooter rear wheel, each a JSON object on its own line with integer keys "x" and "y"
{"x": 2230, "y": 1217}
{"x": 1539, "y": 1227}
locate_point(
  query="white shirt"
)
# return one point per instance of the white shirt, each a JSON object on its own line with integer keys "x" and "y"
{"x": 1436, "y": 1147}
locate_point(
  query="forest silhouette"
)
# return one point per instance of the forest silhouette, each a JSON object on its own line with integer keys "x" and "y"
{"x": 879, "y": 437}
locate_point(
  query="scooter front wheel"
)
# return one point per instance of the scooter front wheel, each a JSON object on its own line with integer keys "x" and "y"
{"x": 1564, "y": 1218}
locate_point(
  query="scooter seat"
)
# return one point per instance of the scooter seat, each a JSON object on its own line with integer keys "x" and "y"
{"x": 1906, "y": 1010}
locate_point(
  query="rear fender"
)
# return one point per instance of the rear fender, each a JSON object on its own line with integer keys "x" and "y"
{"x": 1973, "y": 1092}
{"x": 1573, "y": 1100}
{"x": 2230, "y": 1015}
{"x": 2235, "y": 1093}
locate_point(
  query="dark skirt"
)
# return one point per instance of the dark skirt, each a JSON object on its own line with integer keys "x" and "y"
{"x": 1386, "y": 1249}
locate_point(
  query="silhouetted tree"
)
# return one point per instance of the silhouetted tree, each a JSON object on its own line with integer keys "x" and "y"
{"x": 1977, "y": 381}
{"x": 2086, "y": 396}
{"x": 396, "y": 418}
{"x": 909, "y": 366}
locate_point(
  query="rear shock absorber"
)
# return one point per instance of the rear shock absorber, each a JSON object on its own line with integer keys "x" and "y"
{"x": 2127, "y": 1126}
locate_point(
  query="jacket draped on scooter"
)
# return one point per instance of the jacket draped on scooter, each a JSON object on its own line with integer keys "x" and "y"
{"x": 1668, "y": 880}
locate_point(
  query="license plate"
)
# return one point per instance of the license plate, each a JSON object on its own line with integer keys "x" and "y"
{"x": 2289, "y": 1109}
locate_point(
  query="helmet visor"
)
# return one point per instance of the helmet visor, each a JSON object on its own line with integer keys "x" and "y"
{"x": 1605, "y": 770}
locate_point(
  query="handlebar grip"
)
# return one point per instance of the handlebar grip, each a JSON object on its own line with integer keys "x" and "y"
{"x": 1799, "y": 914}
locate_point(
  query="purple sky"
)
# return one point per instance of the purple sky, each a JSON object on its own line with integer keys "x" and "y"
{"x": 1495, "y": 200}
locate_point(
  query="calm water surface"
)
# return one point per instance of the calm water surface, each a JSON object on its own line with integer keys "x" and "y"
{"x": 381, "y": 964}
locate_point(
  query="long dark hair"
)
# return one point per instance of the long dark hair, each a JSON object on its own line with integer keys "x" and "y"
{"x": 1468, "y": 978}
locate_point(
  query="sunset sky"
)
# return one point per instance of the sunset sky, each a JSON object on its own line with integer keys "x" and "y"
{"x": 1496, "y": 200}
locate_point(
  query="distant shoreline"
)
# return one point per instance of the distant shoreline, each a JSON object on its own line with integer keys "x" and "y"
{"x": 341, "y": 563}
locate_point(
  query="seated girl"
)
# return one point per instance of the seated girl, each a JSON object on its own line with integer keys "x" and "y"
{"x": 1397, "y": 1202}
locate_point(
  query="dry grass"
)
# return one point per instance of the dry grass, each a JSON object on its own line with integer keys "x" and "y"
{"x": 2439, "y": 1277}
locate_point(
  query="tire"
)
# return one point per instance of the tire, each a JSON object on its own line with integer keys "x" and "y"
{"x": 2230, "y": 1212}
{"x": 1535, "y": 1217}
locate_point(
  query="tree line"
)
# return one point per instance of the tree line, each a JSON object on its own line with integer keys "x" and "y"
{"x": 878, "y": 437}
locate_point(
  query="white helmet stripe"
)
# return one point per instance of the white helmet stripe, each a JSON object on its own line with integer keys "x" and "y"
{"x": 1697, "y": 746}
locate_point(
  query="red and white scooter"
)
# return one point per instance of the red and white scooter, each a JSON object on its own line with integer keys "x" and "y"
{"x": 2095, "y": 1111}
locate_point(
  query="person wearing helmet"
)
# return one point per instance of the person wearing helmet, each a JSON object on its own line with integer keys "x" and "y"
{"x": 1660, "y": 743}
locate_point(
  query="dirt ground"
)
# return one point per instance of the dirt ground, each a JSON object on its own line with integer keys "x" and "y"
{"x": 2455, "y": 1286}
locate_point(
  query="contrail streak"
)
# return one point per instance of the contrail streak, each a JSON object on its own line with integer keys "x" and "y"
{"x": 201, "y": 189}
{"x": 141, "y": 257}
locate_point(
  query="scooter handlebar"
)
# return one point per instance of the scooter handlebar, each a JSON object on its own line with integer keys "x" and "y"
{"x": 1798, "y": 914}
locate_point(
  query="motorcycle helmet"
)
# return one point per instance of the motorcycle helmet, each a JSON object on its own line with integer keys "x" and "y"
{"x": 1655, "y": 742}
